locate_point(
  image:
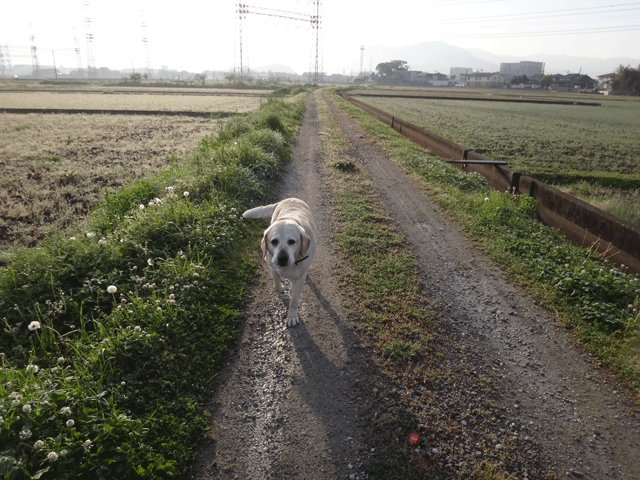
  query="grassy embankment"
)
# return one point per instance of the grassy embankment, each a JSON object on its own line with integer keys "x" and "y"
{"x": 589, "y": 151}
{"x": 111, "y": 333}
{"x": 599, "y": 301}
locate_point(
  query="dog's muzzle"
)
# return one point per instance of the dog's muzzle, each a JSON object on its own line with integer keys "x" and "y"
{"x": 283, "y": 260}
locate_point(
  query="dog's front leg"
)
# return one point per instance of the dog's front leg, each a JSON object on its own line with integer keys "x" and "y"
{"x": 296, "y": 291}
{"x": 277, "y": 281}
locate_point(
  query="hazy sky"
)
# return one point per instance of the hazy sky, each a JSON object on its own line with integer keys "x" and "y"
{"x": 198, "y": 35}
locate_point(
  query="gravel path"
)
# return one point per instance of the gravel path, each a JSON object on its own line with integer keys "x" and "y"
{"x": 303, "y": 403}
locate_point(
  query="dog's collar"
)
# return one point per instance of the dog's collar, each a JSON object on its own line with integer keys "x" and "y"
{"x": 301, "y": 260}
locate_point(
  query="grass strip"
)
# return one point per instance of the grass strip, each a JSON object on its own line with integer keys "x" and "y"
{"x": 388, "y": 307}
{"x": 111, "y": 336}
{"x": 599, "y": 301}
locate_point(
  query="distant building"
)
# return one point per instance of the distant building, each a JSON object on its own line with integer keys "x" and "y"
{"x": 572, "y": 82}
{"x": 456, "y": 73}
{"x": 605, "y": 82}
{"x": 485, "y": 80}
{"x": 522, "y": 68}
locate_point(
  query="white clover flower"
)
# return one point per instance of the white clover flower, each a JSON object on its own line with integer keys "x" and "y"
{"x": 63, "y": 452}
{"x": 141, "y": 207}
{"x": 52, "y": 457}
{"x": 90, "y": 234}
{"x": 172, "y": 296}
{"x": 26, "y": 408}
{"x": 186, "y": 194}
{"x": 112, "y": 289}
{"x": 70, "y": 423}
{"x": 60, "y": 359}
{"x": 157, "y": 201}
{"x": 65, "y": 411}
{"x": 87, "y": 445}
{"x": 34, "y": 325}
{"x": 169, "y": 189}
{"x": 486, "y": 199}
{"x": 137, "y": 329}
{"x": 196, "y": 274}
{"x": 150, "y": 262}
{"x": 72, "y": 238}
{"x": 33, "y": 368}
{"x": 38, "y": 445}
{"x": 25, "y": 433}
{"x": 159, "y": 309}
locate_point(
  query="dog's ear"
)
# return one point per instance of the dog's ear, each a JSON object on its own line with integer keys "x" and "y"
{"x": 305, "y": 242}
{"x": 265, "y": 244}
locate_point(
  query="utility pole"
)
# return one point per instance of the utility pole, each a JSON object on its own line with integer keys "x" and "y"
{"x": 145, "y": 42}
{"x": 91, "y": 62}
{"x": 55, "y": 69}
{"x": 34, "y": 52}
{"x": 242, "y": 10}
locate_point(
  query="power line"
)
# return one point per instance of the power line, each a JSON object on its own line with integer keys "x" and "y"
{"x": 625, "y": 28}
{"x": 544, "y": 14}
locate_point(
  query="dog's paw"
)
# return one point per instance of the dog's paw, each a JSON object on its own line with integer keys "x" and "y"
{"x": 293, "y": 319}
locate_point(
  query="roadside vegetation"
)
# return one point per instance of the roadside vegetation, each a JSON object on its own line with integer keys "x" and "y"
{"x": 112, "y": 331}
{"x": 589, "y": 151}
{"x": 599, "y": 301}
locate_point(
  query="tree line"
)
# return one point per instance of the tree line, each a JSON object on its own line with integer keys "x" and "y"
{"x": 627, "y": 81}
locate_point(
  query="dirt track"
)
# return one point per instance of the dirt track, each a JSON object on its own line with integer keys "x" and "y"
{"x": 299, "y": 403}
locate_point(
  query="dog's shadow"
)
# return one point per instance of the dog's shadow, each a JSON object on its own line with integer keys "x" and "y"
{"x": 324, "y": 355}
{"x": 285, "y": 298}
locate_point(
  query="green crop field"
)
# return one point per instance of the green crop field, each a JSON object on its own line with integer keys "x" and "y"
{"x": 590, "y": 151}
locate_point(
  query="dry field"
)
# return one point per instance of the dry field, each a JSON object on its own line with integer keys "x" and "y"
{"x": 54, "y": 167}
{"x": 141, "y": 100}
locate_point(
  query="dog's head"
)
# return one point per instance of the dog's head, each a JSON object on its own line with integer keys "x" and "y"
{"x": 285, "y": 241}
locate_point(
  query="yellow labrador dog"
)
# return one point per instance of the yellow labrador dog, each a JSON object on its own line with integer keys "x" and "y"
{"x": 288, "y": 246}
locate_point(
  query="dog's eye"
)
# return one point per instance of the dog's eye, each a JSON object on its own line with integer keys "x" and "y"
{"x": 274, "y": 242}
{"x": 291, "y": 242}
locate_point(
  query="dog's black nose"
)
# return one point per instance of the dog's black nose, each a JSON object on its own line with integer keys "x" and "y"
{"x": 283, "y": 260}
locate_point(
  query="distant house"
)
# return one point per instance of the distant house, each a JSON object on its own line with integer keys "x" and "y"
{"x": 572, "y": 82}
{"x": 605, "y": 82}
{"x": 485, "y": 80}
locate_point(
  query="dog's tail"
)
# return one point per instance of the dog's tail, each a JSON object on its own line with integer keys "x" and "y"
{"x": 260, "y": 212}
